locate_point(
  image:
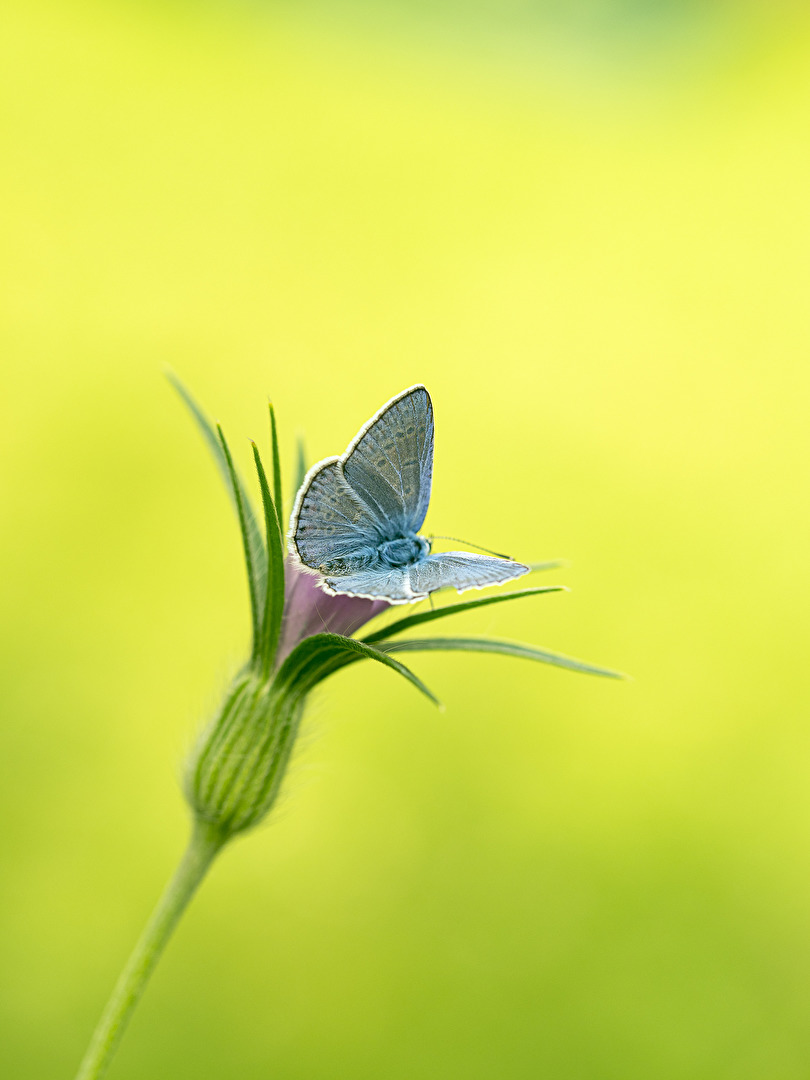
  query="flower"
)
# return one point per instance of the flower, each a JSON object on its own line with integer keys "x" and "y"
{"x": 309, "y": 610}
{"x": 301, "y": 636}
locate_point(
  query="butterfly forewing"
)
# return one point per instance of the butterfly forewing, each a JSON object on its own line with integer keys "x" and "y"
{"x": 390, "y": 464}
{"x": 331, "y": 522}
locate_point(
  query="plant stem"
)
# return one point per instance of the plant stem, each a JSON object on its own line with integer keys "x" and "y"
{"x": 203, "y": 847}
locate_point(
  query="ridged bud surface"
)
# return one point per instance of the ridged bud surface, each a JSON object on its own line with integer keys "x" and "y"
{"x": 235, "y": 771}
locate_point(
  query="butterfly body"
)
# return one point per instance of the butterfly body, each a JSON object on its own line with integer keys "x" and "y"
{"x": 357, "y": 517}
{"x": 404, "y": 550}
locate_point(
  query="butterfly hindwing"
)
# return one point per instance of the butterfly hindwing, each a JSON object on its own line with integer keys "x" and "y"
{"x": 377, "y": 583}
{"x": 462, "y": 570}
{"x": 390, "y": 463}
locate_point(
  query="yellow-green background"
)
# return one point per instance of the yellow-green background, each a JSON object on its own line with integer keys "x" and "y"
{"x": 586, "y": 228}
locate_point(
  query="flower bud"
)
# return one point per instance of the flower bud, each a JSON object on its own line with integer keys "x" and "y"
{"x": 235, "y": 770}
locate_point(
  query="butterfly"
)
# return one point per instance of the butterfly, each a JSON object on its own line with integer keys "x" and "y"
{"x": 356, "y": 518}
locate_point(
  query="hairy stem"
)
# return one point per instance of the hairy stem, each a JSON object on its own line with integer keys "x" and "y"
{"x": 203, "y": 847}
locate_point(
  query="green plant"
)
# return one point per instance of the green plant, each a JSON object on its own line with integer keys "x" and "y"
{"x": 301, "y": 636}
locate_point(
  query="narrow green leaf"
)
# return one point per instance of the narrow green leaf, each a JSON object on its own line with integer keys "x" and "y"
{"x": 554, "y": 564}
{"x": 452, "y": 609}
{"x": 236, "y": 489}
{"x": 274, "y": 596}
{"x": 510, "y": 648}
{"x": 318, "y": 656}
{"x": 256, "y": 599}
{"x": 277, "y": 499}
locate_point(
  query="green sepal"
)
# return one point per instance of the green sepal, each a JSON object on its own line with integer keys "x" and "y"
{"x": 256, "y": 560}
{"x": 453, "y": 609}
{"x": 274, "y": 597}
{"x": 318, "y": 656}
{"x": 255, "y": 582}
{"x": 491, "y": 645}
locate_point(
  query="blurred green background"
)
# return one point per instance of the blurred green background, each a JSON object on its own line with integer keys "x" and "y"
{"x": 586, "y": 228}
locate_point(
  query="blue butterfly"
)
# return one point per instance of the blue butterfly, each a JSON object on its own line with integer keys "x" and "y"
{"x": 357, "y": 517}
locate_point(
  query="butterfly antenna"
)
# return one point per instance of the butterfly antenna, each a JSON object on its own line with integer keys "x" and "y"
{"x": 469, "y": 543}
